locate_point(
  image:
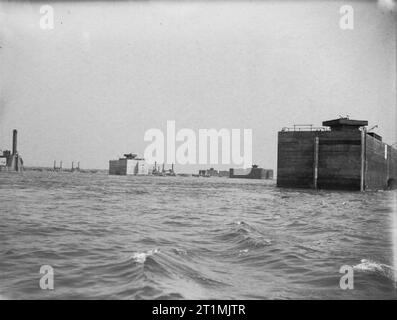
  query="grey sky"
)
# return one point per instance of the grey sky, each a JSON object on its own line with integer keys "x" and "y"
{"x": 89, "y": 89}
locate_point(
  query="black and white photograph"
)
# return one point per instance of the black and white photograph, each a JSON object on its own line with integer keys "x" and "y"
{"x": 228, "y": 150}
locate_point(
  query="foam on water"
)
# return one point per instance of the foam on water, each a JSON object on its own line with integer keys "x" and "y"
{"x": 375, "y": 267}
{"x": 140, "y": 257}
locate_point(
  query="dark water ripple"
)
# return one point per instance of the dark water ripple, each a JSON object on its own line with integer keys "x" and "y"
{"x": 116, "y": 237}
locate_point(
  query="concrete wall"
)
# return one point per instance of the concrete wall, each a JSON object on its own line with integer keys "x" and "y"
{"x": 381, "y": 164}
{"x": 251, "y": 173}
{"x": 128, "y": 167}
{"x": 118, "y": 167}
{"x": 269, "y": 174}
{"x": 392, "y": 180}
{"x": 257, "y": 173}
{"x": 137, "y": 167}
{"x": 223, "y": 173}
{"x": 339, "y": 159}
{"x": 295, "y": 159}
{"x": 239, "y": 172}
{"x": 9, "y": 162}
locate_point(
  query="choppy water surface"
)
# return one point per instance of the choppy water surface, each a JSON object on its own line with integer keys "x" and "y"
{"x": 118, "y": 237}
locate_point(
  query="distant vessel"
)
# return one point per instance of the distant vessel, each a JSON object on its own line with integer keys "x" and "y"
{"x": 342, "y": 154}
{"x": 162, "y": 173}
{"x": 251, "y": 173}
{"x": 129, "y": 165}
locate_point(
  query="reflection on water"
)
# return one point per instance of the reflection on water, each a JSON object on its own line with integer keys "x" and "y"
{"x": 120, "y": 237}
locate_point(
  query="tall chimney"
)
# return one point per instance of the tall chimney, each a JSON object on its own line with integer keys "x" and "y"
{"x": 14, "y": 141}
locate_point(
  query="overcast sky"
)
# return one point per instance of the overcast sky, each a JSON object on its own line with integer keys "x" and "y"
{"x": 89, "y": 89}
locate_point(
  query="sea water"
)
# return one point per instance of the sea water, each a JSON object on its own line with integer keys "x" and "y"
{"x": 129, "y": 237}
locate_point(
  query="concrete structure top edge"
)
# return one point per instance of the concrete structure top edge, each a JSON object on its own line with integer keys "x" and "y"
{"x": 345, "y": 122}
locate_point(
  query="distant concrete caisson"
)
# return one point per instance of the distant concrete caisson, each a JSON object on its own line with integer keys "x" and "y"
{"x": 251, "y": 173}
{"x": 11, "y": 161}
{"x": 129, "y": 165}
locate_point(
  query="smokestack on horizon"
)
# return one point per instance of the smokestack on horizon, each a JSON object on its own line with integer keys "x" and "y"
{"x": 14, "y": 141}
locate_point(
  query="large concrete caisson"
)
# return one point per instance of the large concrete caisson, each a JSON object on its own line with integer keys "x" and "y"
{"x": 342, "y": 155}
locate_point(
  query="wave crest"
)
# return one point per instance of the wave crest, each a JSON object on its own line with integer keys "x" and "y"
{"x": 376, "y": 267}
{"x": 140, "y": 257}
